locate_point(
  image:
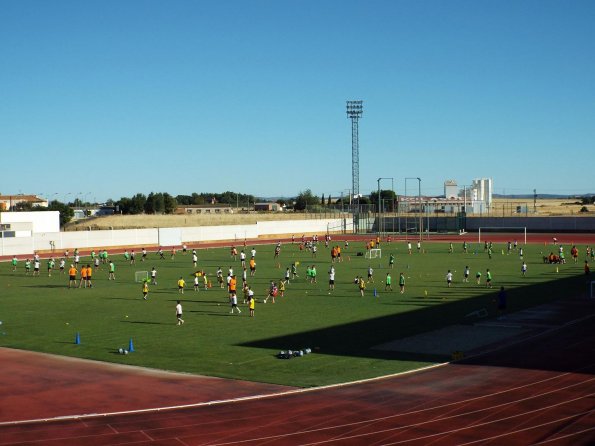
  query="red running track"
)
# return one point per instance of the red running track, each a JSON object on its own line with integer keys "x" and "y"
{"x": 541, "y": 391}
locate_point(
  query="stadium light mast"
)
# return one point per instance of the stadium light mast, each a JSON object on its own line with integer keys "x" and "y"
{"x": 355, "y": 110}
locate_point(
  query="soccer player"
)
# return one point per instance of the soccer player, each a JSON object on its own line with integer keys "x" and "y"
{"x": 219, "y": 275}
{"x": 181, "y": 285}
{"x": 282, "y": 287}
{"x": 391, "y": 261}
{"x": 143, "y": 256}
{"x": 153, "y": 276}
{"x": 243, "y": 258}
{"x": 194, "y": 259}
{"x": 233, "y": 284}
{"x": 252, "y": 266}
{"x": 51, "y": 264}
{"x": 112, "y": 271}
{"x": 179, "y": 313}
{"x": 370, "y": 274}
{"x": 361, "y": 285}
{"x": 14, "y": 263}
{"x": 89, "y": 276}
{"x": 132, "y": 257}
{"x": 524, "y": 269}
{"x": 62, "y": 265}
{"x": 409, "y": 247}
{"x": 72, "y": 277}
{"x": 36, "y": 265}
{"x": 402, "y": 283}
{"x": 251, "y": 302}
{"x": 196, "y": 282}
{"x": 449, "y": 278}
{"x": 488, "y": 278}
{"x": 287, "y": 275}
{"x": 294, "y": 273}
{"x": 388, "y": 283}
{"x": 27, "y": 267}
{"x": 331, "y": 279}
{"x": 478, "y": 277}
{"x": 234, "y": 303}
{"x": 272, "y": 292}
{"x": 146, "y": 289}
{"x": 83, "y": 277}
{"x": 466, "y": 274}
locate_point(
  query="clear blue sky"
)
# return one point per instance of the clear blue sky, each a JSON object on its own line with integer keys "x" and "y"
{"x": 105, "y": 99}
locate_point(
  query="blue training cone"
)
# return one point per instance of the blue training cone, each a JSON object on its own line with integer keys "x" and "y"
{"x": 130, "y": 346}
{"x": 375, "y": 293}
{"x": 77, "y": 338}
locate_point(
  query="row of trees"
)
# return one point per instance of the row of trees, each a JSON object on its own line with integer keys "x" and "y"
{"x": 164, "y": 203}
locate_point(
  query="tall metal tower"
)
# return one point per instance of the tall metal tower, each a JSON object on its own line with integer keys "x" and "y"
{"x": 354, "y": 112}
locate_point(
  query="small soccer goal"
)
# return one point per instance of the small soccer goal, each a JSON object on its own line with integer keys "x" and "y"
{"x": 374, "y": 253}
{"x": 140, "y": 276}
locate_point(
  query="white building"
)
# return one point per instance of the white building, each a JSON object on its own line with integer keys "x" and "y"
{"x": 481, "y": 194}
{"x": 451, "y": 189}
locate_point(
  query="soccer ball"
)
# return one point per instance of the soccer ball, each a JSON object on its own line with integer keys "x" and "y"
{"x": 121, "y": 351}
{"x": 125, "y": 352}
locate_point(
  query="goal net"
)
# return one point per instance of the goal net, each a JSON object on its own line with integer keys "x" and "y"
{"x": 374, "y": 253}
{"x": 518, "y": 231}
{"x": 140, "y": 276}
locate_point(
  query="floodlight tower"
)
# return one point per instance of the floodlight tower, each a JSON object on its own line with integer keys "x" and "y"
{"x": 354, "y": 112}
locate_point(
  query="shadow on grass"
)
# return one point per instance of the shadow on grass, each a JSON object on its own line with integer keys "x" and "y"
{"x": 48, "y": 286}
{"x": 210, "y": 313}
{"x": 145, "y": 322}
{"x": 358, "y": 339}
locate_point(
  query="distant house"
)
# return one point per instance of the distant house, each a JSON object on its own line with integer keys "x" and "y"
{"x": 271, "y": 207}
{"x": 8, "y": 201}
{"x": 187, "y": 209}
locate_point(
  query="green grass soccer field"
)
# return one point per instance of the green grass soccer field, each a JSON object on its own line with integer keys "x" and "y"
{"x": 42, "y": 314}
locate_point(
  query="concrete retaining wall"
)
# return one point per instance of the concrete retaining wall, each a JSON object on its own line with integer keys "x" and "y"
{"x": 86, "y": 240}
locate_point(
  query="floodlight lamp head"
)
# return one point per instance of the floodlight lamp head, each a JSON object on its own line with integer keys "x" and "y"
{"x": 355, "y": 109}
